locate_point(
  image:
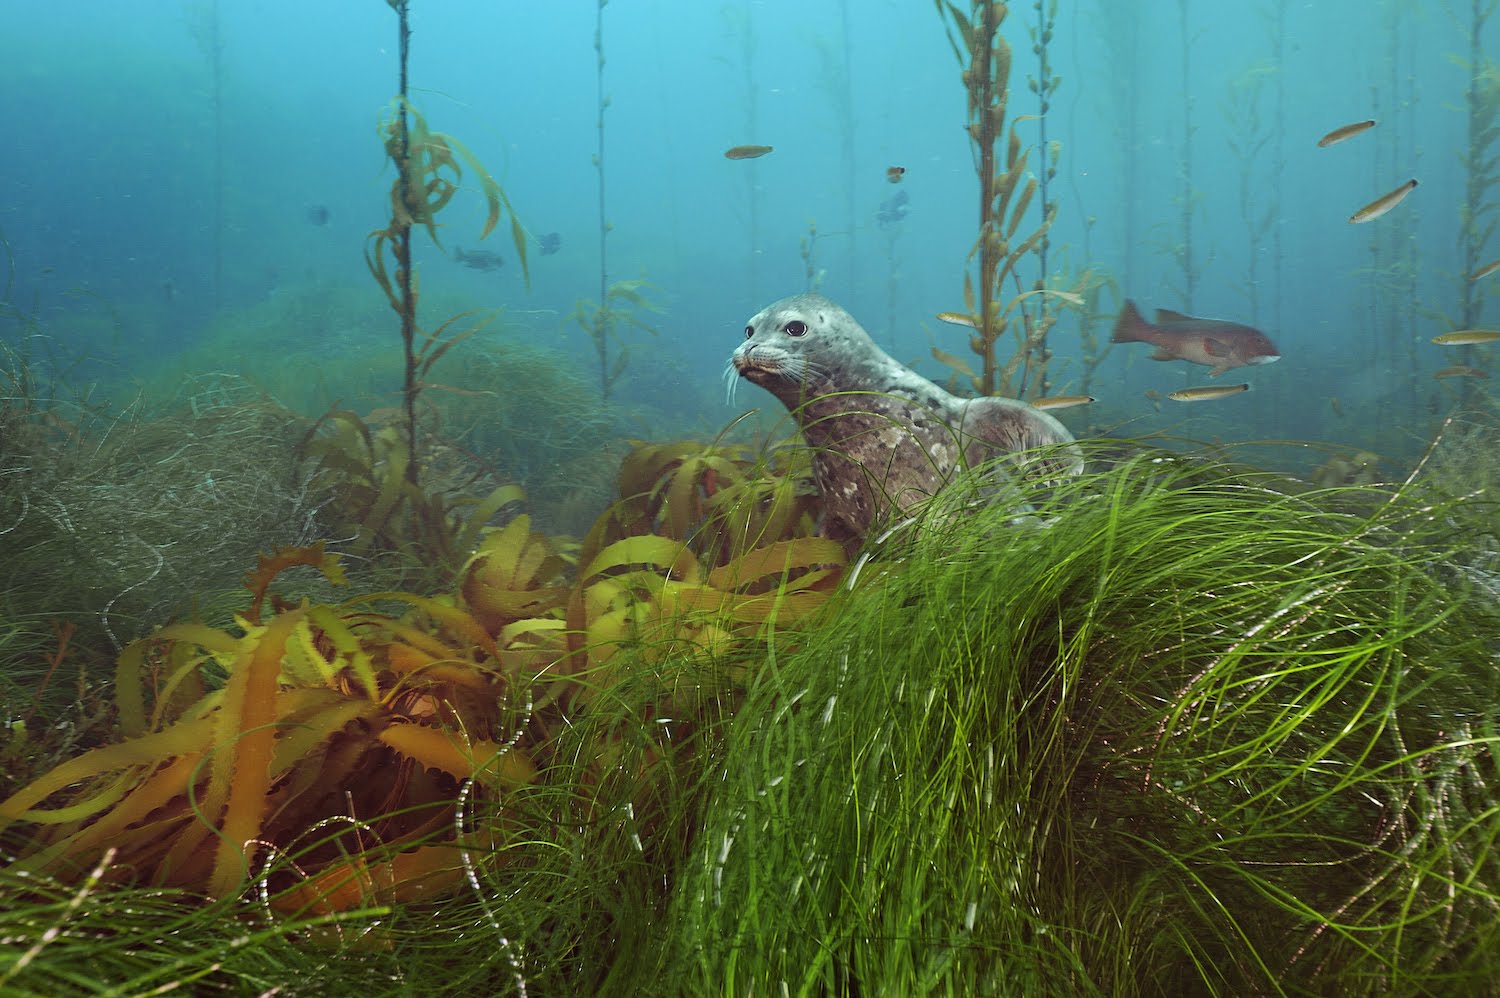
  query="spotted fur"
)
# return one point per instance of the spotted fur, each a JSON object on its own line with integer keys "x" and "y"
{"x": 884, "y": 438}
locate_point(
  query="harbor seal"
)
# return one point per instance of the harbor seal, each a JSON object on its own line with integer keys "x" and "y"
{"x": 883, "y": 437}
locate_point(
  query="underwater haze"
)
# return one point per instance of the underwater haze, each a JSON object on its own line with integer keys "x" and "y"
{"x": 177, "y": 163}
{"x": 410, "y": 583}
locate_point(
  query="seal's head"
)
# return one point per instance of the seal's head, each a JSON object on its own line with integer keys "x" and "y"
{"x": 805, "y": 346}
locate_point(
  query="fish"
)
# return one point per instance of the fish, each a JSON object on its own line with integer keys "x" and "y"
{"x": 1345, "y": 132}
{"x": 550, "y": 243}
{"x": 1207, "y": 394}
{"x": 1383, "y": 204}
{"x": 957, "y": 364}
{"x": 1063, "y": 401}
{"x": 1467, "y": 337}
{"x": 1214, "y": 343}
{"x": 894, "y": 173}
{"x": 1486, "y": 270}
{"x": 746, "y": 152}
{"x": 318, "y": 214}
{"x": 478, "y": 259}
{"x": 959, "y": 319}
{"x": 1460, "y": 371}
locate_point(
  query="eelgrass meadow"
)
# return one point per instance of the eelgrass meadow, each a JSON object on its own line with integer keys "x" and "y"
{"x": 1180, "y": 728}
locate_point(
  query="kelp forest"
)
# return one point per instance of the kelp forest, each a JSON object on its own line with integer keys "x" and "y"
{"x": 389, "y": 600}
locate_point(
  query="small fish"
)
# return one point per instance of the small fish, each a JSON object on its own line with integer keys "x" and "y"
{"x": 1063, "y": 401}
{"x": 1459, "y": 371}
{"x": 957, "y": 364}
{"x": 1383, "y": 204}
{"x": 1486, "y": 270}
{"x": 318, "y": 214}
{"x": 1346, "y": 132}
{"x": 550, "y": 243}
{"x": 959, "y": 319}
{"x": 1467, "y": 337}
{"x": 893, "y": 174}
{"x": 1207, "y": 394}
{"x": 1214, "y": 343}
{"x": 478, "y": 259}
{"x": 746, "y": 152}
{"x": 1336, "y": 406}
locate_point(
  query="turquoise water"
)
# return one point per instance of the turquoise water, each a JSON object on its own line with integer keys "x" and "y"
{"x": 172, "y": 164}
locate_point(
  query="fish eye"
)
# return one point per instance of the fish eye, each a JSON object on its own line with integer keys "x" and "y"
{"x": 795, "y": 328}
{"x": 749, "y": 331}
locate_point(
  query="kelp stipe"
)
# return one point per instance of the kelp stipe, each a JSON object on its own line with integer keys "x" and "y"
{"x": 428, "y": 173}
{"x": 1001, "y": 161}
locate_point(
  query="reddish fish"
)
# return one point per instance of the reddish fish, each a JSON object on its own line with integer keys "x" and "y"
{"x": 1213, "y": 343}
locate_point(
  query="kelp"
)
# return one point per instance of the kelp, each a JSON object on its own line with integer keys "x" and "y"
{"x": 324, "y": 710}
{"x": 704, "y": 550}
{"x": 376, "y": 505}
{"x": 1004, "y": 199}
{"x": 623, "y": 304}
{"x": 718, "y": 498}
{"x": 428, "y": 174}
{"x": 320, "y": 748}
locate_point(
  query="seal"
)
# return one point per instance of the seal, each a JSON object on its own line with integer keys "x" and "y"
{"x": 883, "y": 437}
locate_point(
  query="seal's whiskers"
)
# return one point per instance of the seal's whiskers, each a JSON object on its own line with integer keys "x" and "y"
{"x": 731, "y": 382}
{"x": 806, "y": 370}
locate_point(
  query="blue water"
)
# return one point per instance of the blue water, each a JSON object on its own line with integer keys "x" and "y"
{"x": 114, "y": 210}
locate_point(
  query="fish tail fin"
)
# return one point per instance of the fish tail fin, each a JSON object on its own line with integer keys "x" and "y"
{"x": 1130, "y": 326}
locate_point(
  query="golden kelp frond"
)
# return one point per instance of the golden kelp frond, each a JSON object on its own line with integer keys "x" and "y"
{"x": 325, "y": 709}
{"x": 717, "y": 498}
{"x": 515, "y": 575}
{"x": 272, "y": 565}
{"x": 323, "y": 748}
{"x": 432, "y": 172}
{"x": 437, "y": 525}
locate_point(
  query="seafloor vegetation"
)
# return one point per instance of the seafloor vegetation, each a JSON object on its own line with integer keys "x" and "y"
{"x": 1183, "y": 727}
{"x": 310, "y": 688}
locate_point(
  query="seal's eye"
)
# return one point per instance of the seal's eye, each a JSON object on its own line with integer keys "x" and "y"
{"x": 796, "y": 328}
{"x": 749, "y": 331}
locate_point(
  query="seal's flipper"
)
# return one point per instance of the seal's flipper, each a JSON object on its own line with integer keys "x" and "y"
{"x": 994, "y": 427}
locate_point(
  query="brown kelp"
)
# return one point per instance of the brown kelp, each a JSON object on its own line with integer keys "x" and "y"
{"x": 620, "y": 303}
{"x": 623, "y": 304}
{"x": 428, "y": 174}
{"x": 1001, "y": 162}
{"x": 431, "y": 527}
{"x": 320, "y": 749}
{"x": 600, "y": 318}
{"x": 322, "y": 711}
{"x": 1479, "y": 212}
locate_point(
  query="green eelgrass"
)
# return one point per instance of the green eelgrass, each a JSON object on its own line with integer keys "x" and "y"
{"x": 1176, "y": 731}
{"x": 1173, "y": 731}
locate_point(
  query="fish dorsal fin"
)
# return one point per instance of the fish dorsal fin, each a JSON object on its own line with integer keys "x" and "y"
{"x": 1167, "y": 315}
